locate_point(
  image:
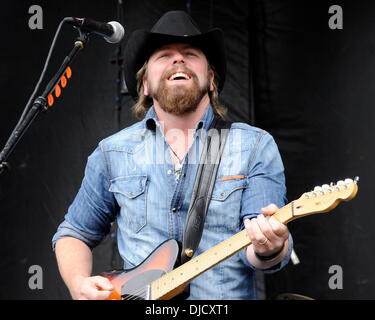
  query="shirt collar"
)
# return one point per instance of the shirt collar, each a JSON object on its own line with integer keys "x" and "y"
{"x": 151, "y": 120}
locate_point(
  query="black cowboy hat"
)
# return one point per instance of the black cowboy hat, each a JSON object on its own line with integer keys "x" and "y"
{"x": 173, "y": 27}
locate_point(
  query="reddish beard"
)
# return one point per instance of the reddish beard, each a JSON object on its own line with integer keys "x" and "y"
{"x": 179, "y": 99}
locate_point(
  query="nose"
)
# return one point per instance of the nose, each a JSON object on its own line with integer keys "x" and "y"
{"x": 178, "y": 58}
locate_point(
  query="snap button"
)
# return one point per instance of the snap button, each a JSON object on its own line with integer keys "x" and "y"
{"x": 174, "y": 209}
{"x": 189, "y": 252}
{"x": 169, "y": 171}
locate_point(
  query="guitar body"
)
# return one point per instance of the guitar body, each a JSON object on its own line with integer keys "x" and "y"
{"x": 134, "y": 284}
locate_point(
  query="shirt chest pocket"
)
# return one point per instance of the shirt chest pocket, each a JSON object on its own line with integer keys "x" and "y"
{"x": 225, "y": 206}
{"x": 131, "y": 195}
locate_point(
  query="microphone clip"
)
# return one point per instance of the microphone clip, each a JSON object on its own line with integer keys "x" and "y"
{"x": 83, "y": 35}
{"x": 82, "y": 39}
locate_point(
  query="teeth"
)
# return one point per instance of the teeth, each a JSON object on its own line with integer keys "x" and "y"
{"x": 179, "y": 74}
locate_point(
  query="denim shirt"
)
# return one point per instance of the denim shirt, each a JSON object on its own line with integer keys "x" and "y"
{"x": 130, "y": 177}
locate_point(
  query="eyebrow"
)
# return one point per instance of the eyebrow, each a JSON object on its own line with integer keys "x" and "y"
{"x": 184, "y": 47}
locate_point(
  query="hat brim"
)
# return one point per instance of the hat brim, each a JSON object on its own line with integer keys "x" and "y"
{"x": 142, "y": 44}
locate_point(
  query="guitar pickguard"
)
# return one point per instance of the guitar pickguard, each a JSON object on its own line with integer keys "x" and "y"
{"x": 138, "y": 288}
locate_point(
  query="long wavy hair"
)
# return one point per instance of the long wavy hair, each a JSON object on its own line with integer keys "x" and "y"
{"x": 144, "y": 102}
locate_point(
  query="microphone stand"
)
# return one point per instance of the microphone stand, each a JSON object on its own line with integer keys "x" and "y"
{"x": 121, "y": 88}
{"x": 40, "y": 103}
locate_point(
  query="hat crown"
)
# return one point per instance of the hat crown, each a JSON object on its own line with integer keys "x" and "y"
{"x": 176, "y": 23}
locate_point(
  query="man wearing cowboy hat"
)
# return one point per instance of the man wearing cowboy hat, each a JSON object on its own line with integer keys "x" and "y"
{"x": 175, "y": 73}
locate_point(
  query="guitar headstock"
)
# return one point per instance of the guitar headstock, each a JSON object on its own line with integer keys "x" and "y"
{"x": 324, "y": 198}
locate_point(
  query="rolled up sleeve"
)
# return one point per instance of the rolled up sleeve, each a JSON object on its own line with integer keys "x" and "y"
{"x": 266, "y": 184}
{"x": 94, "y": 208}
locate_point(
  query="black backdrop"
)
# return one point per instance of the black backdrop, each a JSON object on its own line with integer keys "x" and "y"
{"x": 311, "y": 87}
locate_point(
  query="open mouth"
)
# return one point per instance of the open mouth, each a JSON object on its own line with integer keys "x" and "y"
{"x": 179, "y": 76}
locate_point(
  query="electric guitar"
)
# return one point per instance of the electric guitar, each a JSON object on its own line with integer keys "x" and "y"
{"x": 155, "y": 278}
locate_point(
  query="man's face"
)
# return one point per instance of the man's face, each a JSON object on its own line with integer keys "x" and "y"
{"x": 177, "y": 78}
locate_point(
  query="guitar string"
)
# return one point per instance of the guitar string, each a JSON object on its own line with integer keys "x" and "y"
{"x": 141, "y": 292}
{"x": 136, "y": 297}
{"x": 137, "y": 294}
{"x": 133, "y": 297}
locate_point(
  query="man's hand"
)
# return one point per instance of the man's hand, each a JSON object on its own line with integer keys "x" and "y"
{"x": 267, "y": 234}
{"x": 92, "y": 288}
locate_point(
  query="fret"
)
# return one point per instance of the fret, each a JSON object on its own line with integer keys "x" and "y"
{"x": 285, "y": 214}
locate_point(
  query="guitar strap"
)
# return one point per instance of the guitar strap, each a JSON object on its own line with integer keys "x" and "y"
{"x": 203, "y": 186}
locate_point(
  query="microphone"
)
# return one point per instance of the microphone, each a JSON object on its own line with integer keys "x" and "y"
{"x": 112, "y": 31}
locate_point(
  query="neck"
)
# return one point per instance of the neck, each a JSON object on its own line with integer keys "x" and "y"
{"x": 183, "y": 122}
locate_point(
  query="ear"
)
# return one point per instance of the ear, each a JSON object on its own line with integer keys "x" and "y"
{"x": 211, "y": 76}
{"x": 145, "y": 87}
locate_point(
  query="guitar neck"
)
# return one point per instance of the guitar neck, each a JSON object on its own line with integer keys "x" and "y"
{"x": 173, "y": 282}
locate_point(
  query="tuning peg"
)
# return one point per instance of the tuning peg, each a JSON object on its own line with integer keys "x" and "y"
{"x": 340, "y": 182}
{"x": 325, "y": 186}
{"x": 319, "y": 189}
{"x": 356, "y": 179}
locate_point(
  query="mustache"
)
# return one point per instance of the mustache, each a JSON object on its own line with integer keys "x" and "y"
{"x": 166, "y": 75}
